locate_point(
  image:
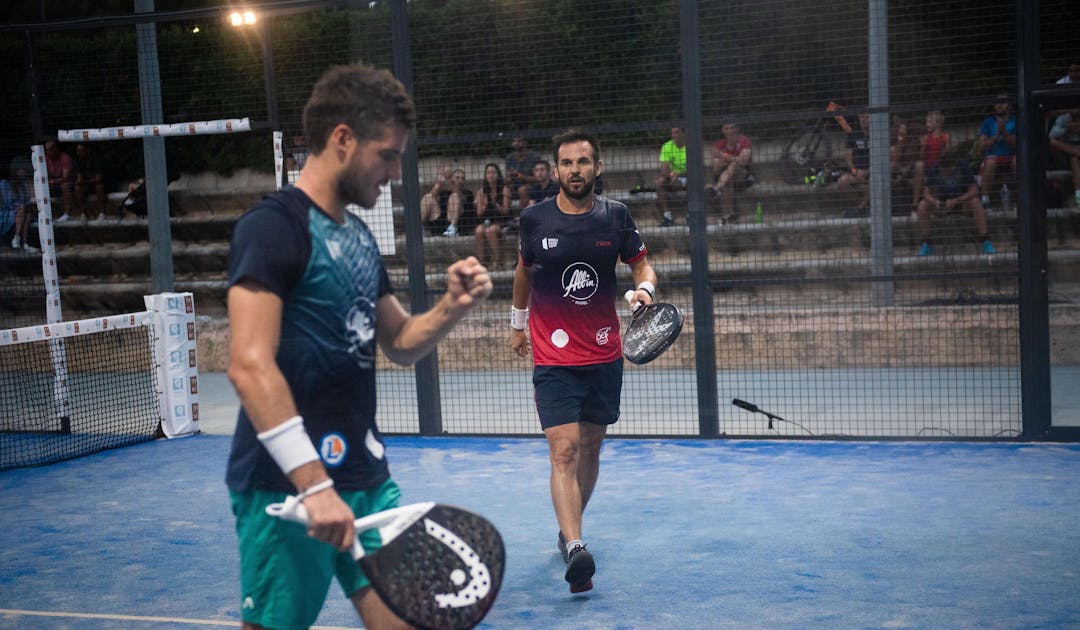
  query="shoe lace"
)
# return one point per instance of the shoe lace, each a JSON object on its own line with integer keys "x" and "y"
{"x": 575, "y": 551}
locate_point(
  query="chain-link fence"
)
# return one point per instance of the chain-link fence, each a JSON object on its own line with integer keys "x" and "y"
{"x": 843, "y": 233}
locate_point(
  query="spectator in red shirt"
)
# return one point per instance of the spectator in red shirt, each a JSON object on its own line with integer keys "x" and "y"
{"x": 731, "y": 157}
{"x": 932, "y": 146}
{"x": 61, "y": 177}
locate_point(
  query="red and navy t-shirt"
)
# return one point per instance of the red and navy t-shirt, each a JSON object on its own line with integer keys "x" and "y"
{"x": 572, "y": 317}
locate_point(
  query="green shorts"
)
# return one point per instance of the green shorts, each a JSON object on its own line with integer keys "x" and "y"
{"x": 285, "y": 574}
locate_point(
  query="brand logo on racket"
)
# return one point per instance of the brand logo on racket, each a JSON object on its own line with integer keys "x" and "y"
{"x": 579, "y": 282}
{"x": 332, "y": 449}
{"x": 479, "y": 576}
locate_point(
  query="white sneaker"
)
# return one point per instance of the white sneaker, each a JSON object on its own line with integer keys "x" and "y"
{"x": 15, "y": 243}
{"x": 27, "y": 247}
{"x": 99, "y": 219}
{"x": 451, "y": 230}
{"x": 62, "y": 218}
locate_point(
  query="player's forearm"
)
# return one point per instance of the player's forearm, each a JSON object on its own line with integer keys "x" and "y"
{"x": 421, "y": 333}
{"x": 522, "y": 287}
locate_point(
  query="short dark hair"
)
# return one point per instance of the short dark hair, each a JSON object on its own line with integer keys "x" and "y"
{"x": 575, "y": 135}
{"x": 358, "y": 95}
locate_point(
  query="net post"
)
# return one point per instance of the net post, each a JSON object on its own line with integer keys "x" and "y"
{"x": 53, "y": 312}
{"x": 172, "y": 330}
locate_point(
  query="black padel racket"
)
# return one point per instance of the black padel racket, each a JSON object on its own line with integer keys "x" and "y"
{"x": 652, "y": 330}
{"x": 440, "y": 567}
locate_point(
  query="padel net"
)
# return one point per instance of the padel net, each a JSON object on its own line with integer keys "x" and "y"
{"x": 74, "y": 388}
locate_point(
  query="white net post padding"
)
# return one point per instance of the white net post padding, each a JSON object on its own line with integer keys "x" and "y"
{"x": 45, "y": 235}
{"x": 173, "y": 317}
{"x": 53, "y": 314}
{"x": 198, "y": 128}
{"x": 279, "y": 159}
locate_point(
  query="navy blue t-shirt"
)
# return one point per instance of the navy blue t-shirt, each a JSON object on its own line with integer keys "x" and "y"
{"x": 330, "y": 278}
{"x": 948, "y": 185}
{"x": 860, "y": 149}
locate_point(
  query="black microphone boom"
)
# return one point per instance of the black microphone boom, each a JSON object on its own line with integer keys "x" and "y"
{"x": 752, "y": 408}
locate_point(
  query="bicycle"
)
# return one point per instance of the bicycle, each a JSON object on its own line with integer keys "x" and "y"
{"x": 810, "y": 150}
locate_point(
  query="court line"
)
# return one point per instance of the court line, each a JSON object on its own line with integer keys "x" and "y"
{"x": 198, "y": 622}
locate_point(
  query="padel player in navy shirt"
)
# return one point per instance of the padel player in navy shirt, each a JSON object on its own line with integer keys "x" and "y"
{"x": 309, "y": 301}
{"x": 568, "y": 250}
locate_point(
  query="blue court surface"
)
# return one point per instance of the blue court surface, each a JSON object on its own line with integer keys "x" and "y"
{"x": 686, "y": 534}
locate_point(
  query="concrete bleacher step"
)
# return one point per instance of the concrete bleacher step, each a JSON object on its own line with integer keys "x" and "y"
{"x": 848, "y": 277}
{"x": 105, "y": 267}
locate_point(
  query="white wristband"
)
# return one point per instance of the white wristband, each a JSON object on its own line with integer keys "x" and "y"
{"x": 289, "y": 445}
{"x": 647, "y": 287}
{"x": 325, "y": 484}
{"x": 518, "y": 318}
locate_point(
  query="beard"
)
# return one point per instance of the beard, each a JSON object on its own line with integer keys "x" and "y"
{"x": 351, "y": 191}
{"x": 585, "y": 191}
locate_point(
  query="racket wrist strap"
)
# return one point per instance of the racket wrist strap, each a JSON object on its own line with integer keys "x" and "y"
{"x": 647, "y": 287}
{"x": 325, "y": 484}
{"x": 518, "y": 318}
{"x": 289, "y": 445}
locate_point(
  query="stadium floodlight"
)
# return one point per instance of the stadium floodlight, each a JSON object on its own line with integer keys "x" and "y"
{"x": 244, "y": 18}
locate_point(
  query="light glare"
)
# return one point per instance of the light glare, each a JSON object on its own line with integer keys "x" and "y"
{"x": 236, "y": 19}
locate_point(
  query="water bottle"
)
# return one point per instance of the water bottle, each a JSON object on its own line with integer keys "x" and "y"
{"x": 1004, "y": 197}
{"x": 759, "y": 214}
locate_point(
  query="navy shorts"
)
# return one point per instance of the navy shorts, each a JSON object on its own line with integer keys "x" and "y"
{"x": 578, "y": 393}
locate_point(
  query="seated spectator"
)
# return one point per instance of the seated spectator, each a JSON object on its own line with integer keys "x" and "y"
{"x": 519, "y": 170}
{"x": 433, "y": 205}
{"x": 933, "y": 144}
{"x": 1065, "y": 146}
{"x": 731, "y": 158}
{"x": 857, "y": 176}
{"x": 1072, "y": 74}
{"x": 295, "y": 158}
{"x": 546, "y": 186}
{"x": 950, "y": 187}
{"x": 493, "y": 209}
{"x": 997, "y": 143}
{"x": 672, "y": 178}
{"x": 61, "y": 171}
{"x": 449, "y": 206}
{"x": 904, "y": 140}
{"x": 91, "y": 175}
{"x": 16, "y": 205}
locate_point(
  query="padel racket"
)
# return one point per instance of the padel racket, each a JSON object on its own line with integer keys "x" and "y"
{"x": 652, "y": 330}
{"x": 440, "y": 567}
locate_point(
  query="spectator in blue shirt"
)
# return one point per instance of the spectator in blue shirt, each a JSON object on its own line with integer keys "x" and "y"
{"x": 997, "y": 142}
{"x": 15, "y": 202}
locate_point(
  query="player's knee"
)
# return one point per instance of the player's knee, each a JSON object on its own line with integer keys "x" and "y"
{"x": 564, "y": 453}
